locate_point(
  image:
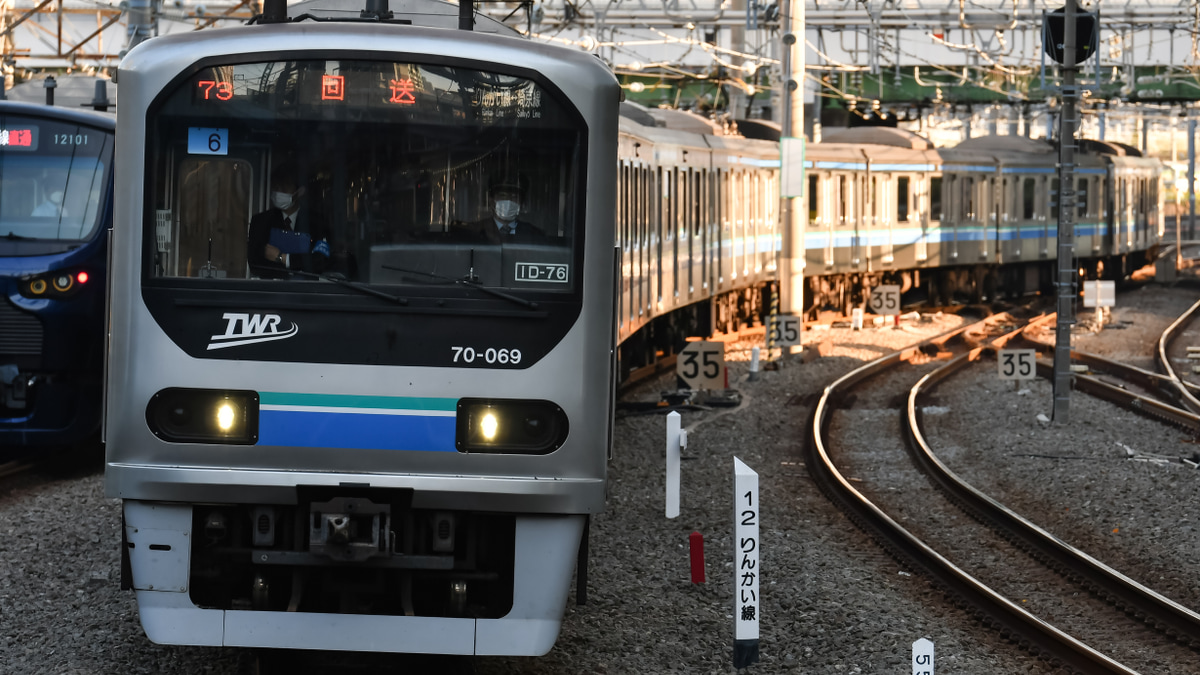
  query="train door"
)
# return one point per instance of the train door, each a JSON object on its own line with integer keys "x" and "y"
{"x": 817, "y": 223}
{"x": 952, "y": 216}
{"x": 625, "y": 282}
{"x": 858, "y": 218}
{"x": 721, "y": 222}
{"x": 644, "y": 184}
{"x": 1027, "y": 215}
{"x": 659, "y": 262}
{"x": 875, "y": 209}
{"x": 739, "y": 224}
{"x": 931, "y": 211}
{"x": 1084, "y": 224}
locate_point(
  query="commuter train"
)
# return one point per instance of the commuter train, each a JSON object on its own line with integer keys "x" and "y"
{"x": 698, "y": 211}
{"x": 56, "y": 175}
{"x": 380, "y": 425}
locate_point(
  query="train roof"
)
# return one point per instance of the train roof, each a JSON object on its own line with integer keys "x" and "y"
{"x": 77, "y": 92}
{"x": 889, "y": 136}
{"x": 426, "y": 13}
{"x": 991, "y": 144}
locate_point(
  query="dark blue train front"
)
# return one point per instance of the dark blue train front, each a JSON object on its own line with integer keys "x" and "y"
{"x": 55, "y": 217}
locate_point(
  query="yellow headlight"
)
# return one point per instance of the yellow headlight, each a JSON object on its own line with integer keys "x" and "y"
{"x": 225, "y": 417}
{"x": 488, "y": 426}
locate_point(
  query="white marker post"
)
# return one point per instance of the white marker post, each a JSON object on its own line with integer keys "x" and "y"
{"x": 745, "y": 565}
{"x": 922, "y": 657}
{"x": 676, "y": 439}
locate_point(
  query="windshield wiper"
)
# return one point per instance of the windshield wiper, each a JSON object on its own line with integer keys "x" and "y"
{"x": 13, "y": 236}
{"x": 337, "y": 278}
{"x": 471, "y": 281}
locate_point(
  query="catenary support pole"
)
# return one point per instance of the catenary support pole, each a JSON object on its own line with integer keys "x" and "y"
{"x": 1066, "y": 223}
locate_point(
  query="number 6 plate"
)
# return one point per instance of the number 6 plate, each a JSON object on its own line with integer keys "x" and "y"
{"x": 208, "y": 141}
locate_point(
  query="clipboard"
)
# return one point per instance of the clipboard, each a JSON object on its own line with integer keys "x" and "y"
{"x": 289, "y": 242}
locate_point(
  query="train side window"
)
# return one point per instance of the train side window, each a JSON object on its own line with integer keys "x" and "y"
{"x": 903, "y": 198}
{"x": 814, "y": 199}
{"x": 843, "y": 198}
{"x": 935, "y": 198}
{"x": 1081, "y": 197}
{"x": 1028, "y": 198}
{"x": 1055, "y": 198}
{"x": 968, "y": 191}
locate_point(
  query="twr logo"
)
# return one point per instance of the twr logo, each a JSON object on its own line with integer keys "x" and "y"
{"x": 245, "y": 329}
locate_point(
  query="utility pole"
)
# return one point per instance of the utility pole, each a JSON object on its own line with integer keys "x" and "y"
{"x": 1066, "y": 221}
{"x": 792, "y": 215}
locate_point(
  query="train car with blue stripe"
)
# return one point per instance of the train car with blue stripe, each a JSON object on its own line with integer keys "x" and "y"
{"x": 56, "y": 172}
{"x": 361, "y": 368}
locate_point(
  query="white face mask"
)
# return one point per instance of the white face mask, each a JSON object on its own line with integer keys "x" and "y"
{"x": 281, "y": 200}
{"x": 507, "y": 209}
{"x": 56, "y": 196}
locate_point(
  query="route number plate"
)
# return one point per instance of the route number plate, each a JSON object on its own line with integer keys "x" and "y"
{"x": 1017, "y": 364}
{"x": 885, "y": 300}
{"x": 701, "y": 365}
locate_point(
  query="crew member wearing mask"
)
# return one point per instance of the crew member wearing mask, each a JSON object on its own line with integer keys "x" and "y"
{"x": 288, "y": 235}
{"x": 52, "y": 206}
{"x": 505, "y": 196}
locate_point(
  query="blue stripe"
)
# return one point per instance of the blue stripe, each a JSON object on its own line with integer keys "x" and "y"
{"x": 902, "y": 167}
{"x": 1029, "y": 169}
{"x": 356, "y": 431}
{"x": 968, "y": 167}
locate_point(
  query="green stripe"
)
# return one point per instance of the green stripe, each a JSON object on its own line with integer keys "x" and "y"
{"x": 341, "y": 401}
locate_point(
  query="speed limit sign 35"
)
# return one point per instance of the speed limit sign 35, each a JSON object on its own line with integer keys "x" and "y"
{"x": 885, "y": 300}
{"x": 1017, "y": 364}
{"x": 701, "y": 365}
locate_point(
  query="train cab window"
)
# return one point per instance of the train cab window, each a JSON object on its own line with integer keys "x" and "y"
{"x": 53, "y": 179}
{"x": 403, "y": 175}
{"x": 903, "y": 198}
{"x": 935, "y": 198}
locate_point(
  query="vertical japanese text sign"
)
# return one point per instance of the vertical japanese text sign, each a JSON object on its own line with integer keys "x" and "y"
{"x": 745, "y": 564}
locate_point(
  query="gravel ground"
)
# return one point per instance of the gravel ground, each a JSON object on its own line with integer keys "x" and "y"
{"x": 832, "y": 601}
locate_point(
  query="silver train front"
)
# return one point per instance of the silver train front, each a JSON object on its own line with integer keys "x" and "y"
{"x": 434, "y": 526}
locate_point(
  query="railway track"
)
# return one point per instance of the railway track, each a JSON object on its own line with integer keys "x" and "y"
{"x": 878, "y": 509}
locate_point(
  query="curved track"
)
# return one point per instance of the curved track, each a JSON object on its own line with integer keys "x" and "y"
{"x": 1052, "y": 644}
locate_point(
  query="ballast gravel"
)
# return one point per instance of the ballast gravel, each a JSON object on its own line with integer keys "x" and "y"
{"x": 833, "y": 602}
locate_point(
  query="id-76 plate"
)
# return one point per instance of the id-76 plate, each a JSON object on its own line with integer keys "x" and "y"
{"x": 553, "y": 273}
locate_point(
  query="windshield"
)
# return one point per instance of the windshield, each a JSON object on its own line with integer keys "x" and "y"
{"x": 52, "y": 178}
{"x": 433, "y": 178}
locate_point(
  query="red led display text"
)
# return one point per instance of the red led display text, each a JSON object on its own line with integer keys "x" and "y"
{"x": 220, "y": 90}
{"x": 402, "y": 92}
{"x": 333, "y": 88}
{"x": 18, "y": 137}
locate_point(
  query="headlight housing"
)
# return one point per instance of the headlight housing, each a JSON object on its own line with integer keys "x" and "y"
{"x": 204, "y": 416}
{"x": 509, "y": 427}
{"x": 55, "y": 285}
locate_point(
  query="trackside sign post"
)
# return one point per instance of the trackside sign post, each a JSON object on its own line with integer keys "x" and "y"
{"x": 745, "y": 565}
{"x": 922, "y": 657}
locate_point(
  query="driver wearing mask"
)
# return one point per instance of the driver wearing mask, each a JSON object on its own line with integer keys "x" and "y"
{"x": 288, "y": 235}
{"x": 505, "y": 196}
